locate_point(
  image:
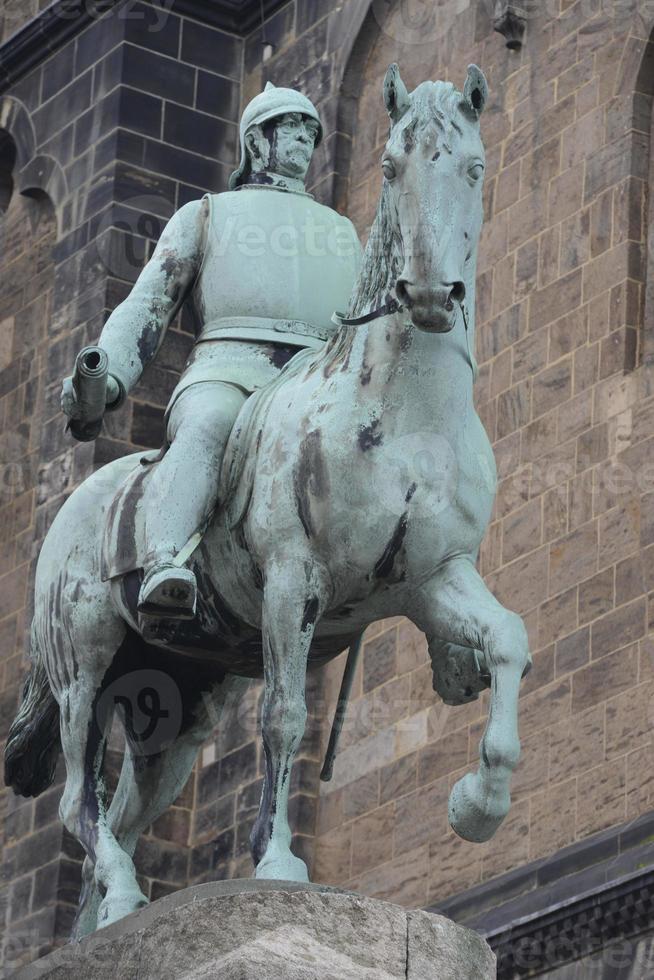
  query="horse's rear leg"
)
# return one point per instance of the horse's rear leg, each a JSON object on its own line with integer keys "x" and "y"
{"x": 83, "y": 805}
{"x": 151, "y": 779}
{"x": 456, "y": 606}
{"x": 294, "y": 598}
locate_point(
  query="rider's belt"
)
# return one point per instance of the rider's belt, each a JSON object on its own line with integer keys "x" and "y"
{"x": 265, "y": 328}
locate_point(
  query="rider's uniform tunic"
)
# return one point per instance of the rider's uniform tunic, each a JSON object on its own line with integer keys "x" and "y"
{"x": 276, "y": 266}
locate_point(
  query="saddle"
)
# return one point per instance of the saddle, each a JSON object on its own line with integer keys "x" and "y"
{"x": 124, "y": 544}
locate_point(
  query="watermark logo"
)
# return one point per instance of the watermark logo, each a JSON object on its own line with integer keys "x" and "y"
{"x": 125, "y": 230}
{"x": 150, "y": 704}
{"x": 417, "y": 21}
{"x": 420, "y": 461}
{"x": 155, "y": 13}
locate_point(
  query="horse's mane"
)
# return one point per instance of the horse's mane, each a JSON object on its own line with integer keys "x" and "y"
{"x": 383, "y": 259}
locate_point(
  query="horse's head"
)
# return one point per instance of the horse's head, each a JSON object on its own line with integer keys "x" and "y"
{"x": 433, "y": 171}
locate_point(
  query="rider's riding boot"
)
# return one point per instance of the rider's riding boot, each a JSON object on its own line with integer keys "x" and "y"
{"x": 168, "y": 592}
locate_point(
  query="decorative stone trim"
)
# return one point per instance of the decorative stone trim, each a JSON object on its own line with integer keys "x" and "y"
{"x": 574, "y": 903}
{"x": 45, "y": 34}
{"x": 576, "y": 928}
{"x": 16, "y": 120}
{"x": 64, "y": 19}
{"x": 511, "y": 21}
{"x": 241, "y": 17}
{"x": 43, "y": 175}
{"x": 35, "y": 175}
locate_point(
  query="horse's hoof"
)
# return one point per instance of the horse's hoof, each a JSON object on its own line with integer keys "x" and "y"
{"x": 473, "y": 814}
{"x": 282, "y": 867}
{"x": 118, "y": 906}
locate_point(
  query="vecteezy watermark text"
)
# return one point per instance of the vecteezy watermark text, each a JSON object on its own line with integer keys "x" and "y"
{"x": 155, "y": 13}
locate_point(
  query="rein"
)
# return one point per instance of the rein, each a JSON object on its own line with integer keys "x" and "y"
{"x": 392, "y": 306}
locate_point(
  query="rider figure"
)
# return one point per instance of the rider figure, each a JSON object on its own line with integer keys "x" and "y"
{"x": 266, "y": 266}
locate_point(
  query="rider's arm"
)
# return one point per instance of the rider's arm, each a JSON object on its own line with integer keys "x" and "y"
{"x": 135, "y": 330}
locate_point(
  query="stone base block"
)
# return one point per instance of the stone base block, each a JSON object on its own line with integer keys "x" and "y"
{"x": 253, "y": 930}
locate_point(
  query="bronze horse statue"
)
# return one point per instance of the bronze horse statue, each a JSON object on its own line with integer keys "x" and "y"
{"x": 318, "y": 536}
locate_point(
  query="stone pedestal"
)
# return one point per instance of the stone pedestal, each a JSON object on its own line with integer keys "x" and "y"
{"x": 252, "y": 930}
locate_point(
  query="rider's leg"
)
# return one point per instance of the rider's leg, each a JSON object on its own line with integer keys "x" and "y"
{"x": 182, "y": 492}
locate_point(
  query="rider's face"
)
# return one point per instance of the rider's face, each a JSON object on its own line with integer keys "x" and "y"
{"x": 294, "y": 143}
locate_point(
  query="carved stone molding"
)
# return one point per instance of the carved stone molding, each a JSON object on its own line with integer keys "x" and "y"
{"x": 16, "y": 121}
{"x": 33, "y": 175}
{"x": 43, "y": 176}
{"x": 591, "y": 895}
{"x": 510, "y": 20}
{"x": 45, "y": 34}
{"x": 64, "y": 19}
{"x": 238, "y": 16}
{"x": 578, "y": 928}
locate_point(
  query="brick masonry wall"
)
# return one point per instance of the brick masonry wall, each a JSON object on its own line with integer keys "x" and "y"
{"x": 565, "y": 396}
{"x": 134, "y": 117}
{"x": 140, "y": 121}
{"x": 28, "y": 232}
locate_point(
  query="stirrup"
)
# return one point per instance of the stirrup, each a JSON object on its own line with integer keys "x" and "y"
{"x": 168, "y": 592}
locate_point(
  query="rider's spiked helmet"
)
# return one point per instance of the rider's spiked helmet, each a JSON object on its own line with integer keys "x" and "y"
{"x": 272, "y": 102}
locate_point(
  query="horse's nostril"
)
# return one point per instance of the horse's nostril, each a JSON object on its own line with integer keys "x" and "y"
{"x": 458, "y": 293}
{"x": 402, "y": 292}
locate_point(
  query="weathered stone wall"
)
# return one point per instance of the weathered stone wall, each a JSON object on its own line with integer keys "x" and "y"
{"x": 563, "y": 391}
{"x": 129, "y": 120}
{"x": 136, "y": 119}
{"x": 28, "y": 231}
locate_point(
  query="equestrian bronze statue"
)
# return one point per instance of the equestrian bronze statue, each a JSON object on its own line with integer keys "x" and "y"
{"x": 269, "y": 550}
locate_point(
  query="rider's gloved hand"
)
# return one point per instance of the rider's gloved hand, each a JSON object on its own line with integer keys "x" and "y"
{"x": 69, "y": 403}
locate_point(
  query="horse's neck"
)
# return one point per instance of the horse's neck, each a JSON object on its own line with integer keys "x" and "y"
{"x": 419, "y": 376}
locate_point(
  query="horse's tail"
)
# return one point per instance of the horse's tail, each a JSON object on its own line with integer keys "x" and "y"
{"x": 33, "y": 743}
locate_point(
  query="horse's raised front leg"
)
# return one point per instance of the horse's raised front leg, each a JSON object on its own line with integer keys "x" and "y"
{"x": 294, "y": 598}
{"x": 456, "y": 606}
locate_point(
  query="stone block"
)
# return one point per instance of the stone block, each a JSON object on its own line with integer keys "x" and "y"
{"x": 444, "y": 756}
{"x": 242, "y": 929}
{"x": 601, "y": 799}
{"x": 429, "y": 937}
{"x": 553, "y": 819}
{"x": 379, "y": 660}
{"x": 208, "y": 48}
{"x": 610, "y": 675}
{"x": 399, "y": 778}
{"x": 403, "y": 880}
{"x": 619, "y": 628}
{"x": 573, "y": 651}
{"x": 574, "y": 558}
{"x": 555, "y": 300}
{"x": 557, "y": 617}
{"x": 552, "y": 387}
{"x": 522, "y": 530}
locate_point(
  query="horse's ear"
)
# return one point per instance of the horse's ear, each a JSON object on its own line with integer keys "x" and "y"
{"x": 396, "y": 97}
{"x": 475, "y": 90}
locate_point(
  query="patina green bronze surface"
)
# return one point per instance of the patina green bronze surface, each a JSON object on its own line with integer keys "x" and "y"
{"x": 357, "y": 484}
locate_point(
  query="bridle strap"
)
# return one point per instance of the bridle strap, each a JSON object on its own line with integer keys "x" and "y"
{"x": 390, "y": 307}
{"x": 393, "y": 306}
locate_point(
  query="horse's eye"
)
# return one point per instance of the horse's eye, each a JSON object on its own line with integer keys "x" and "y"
{"x": 476, "y": 171}
{"x": 388, "y": 169}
